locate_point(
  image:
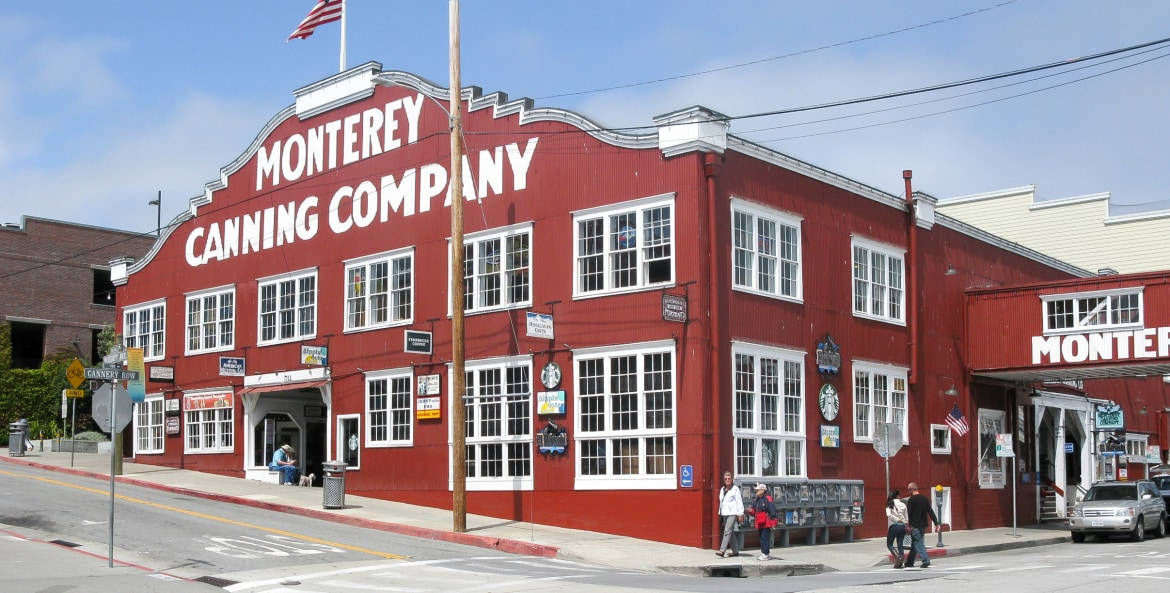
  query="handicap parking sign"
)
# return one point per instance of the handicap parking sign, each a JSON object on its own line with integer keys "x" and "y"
{"x": 687, "y": 475}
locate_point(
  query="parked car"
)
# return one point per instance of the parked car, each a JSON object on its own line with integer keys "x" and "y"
{"x": 1162, "y": 483}
{"x": 1111, "y": 508}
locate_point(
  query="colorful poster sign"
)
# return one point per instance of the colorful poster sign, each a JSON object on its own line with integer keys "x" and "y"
{"x": 550, "y": 402}
{"x": 136, "y": 387}
{"x": 428, "y": 408}
{"x": 315, "y": 355}
{"x": 1003, "y": 445}
{"x": 207, "y": 402}
{"x": 830, "y": 436}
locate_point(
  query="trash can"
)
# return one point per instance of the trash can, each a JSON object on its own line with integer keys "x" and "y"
{"x": 16, "y": 436}
{"x": 333, "y": 484}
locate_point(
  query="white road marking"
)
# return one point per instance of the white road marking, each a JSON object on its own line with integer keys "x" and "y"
{"x": 1144, "y": 571}
{"x": 14, "y": 538}
{"x": 1087, "y": 567}
{"x": 547, "y": 565}
{"x": 968, "y": 567}
{"x": 364, "y": 587}
{"x": 1024, "y": 567}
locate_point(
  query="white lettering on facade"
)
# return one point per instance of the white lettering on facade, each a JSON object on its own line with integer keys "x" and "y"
{"x": 1152, "y": 342}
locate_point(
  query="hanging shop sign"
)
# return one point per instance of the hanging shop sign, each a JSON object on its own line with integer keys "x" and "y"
{"x": 830, "y": 436}
{"x": 172, "y": 424}
{"x": 674, "y": 308}
{"x": 828, "y": 356}
{"x": 171, "y": 406}
{"x": 1153, "y": 454}
{"x": 550, "y": 375}
{"x": 162, "y": 374}
{"x": 231, "y": 366}
{"x": 428, "y": 385}
{"x": 416, "y": 342}
{"x": 552, "y": 439}
{"x": 829, "y": 401}
{"x": 315, "y": 355}
{"x": 550, "y": 402}
{"x": 540, "y": 325}
{"x": 427, "y": 408}
{"x": 1109, "y": 417}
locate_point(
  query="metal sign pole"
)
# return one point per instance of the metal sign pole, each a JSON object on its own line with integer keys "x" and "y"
{"x": 113, "y": 405}
{"x": 887, "y": 458}
{"x": 1014, "y": 478}
{"x": 73, "y": 434}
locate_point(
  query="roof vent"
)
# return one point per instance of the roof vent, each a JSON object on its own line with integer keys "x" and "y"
{"x": 1106, "y": 272}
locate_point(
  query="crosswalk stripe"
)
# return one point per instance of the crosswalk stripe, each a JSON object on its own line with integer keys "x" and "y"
{"x": 1087, "y": 567}
{"x": 1019, "y": 568}
{"x": 968, "y": 567}
{"x": 1144, "y": 571}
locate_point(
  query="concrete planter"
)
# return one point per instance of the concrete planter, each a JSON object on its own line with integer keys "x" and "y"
{"x": 79, "y": 446}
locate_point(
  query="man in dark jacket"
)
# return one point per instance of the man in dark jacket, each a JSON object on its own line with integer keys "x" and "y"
{"x": 918, "y": 509}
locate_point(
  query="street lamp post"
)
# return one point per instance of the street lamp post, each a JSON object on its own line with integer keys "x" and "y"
{"x": 157, "y": 203}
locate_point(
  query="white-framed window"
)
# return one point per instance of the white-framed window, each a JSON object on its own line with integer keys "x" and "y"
{"x": 1135, "y": 444}
{"x": 145, "y": 326}
{"x": 1096, "y": 310}
{"x": 625, "y": 417}
{"x": 765, "y": 251}
{"x": 209, "y": 421}
{"x": 389, "y": 408}
{"x": 379, "y": 290}
{"x": 497, "y": 423}
{"x": 992, "y": 469}
{"x": 288, "y": 307}
{"x": 768, "y": 419}
{"x": 624, "y": 247}
{"x": 879, "y": 395}
{"x": 349, "y": 446}
{"x": 878, "y": 281}
{"x": 497, "y": 269}
{"x": 148, "y": 425}
{"x": 211, "y": 320}
{"x": 940, "y": 439}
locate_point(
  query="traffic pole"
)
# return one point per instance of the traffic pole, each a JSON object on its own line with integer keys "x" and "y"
{"x": 113, "y": 404}
{"x": 73, "y": 434}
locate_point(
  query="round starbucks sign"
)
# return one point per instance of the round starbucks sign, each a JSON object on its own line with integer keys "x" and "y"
{"x": 829, "y": 402}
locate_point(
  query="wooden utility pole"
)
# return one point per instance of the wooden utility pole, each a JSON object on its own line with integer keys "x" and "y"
{"x": 458, "y": 386}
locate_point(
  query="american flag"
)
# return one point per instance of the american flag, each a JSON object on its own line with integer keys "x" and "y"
{"x": 957, "y": 421}
{"x": 325, "y": 11}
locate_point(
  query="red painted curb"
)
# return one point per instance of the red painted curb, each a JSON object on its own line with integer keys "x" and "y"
{"x": 469, "y": 539}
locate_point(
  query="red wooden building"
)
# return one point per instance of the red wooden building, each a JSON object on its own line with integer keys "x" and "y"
{"x": 687, "y": 277}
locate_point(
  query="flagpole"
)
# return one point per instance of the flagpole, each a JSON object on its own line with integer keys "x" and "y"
{"x": 342, "y": 68}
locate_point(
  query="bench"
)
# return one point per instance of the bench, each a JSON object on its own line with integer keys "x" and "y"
{"x": 262, "y": 474}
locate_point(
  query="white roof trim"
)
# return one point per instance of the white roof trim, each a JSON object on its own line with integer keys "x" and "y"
{"x": 1069, "y": 201}
{"x": 991, "y": 195}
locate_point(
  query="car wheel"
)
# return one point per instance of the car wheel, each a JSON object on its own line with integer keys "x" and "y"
{"x": 1139, "y": 530}
{"x": 1161, "y": 532}
{"x": 1078, "y": 538}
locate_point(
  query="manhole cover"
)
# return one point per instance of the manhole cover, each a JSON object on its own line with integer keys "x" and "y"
{"x": 216, "y": 581}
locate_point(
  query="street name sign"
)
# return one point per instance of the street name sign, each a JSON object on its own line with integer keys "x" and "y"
{"x": 110, "y": 374}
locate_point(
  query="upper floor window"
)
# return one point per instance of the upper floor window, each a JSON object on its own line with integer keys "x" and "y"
{"x": 103, "y": 287}
{"x": 877, "y": 281}
{"x": 765, "y": 256}
{"x": 625, "y": 417}
{"x": 624, "y": 247}
{"x": 144, "y": 326}
{"x": 497, "y": 269}
{"x": 379, "y": 290}
{"x": 1092, "y": 310}
{"x": 879, "y": 396}
{"x": 768, "y": 411}
{"x": 211, "y": 316}
{"x": 288, "y": 307}
{"x": 389, "y": 408}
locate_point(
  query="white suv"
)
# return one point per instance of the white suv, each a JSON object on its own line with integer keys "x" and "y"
{"x": 1112, "y": 508}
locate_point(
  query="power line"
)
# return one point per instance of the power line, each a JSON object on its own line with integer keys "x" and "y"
{"x": 780, "y": 57}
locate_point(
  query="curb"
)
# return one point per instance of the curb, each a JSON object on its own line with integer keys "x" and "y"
{"x": 469, "y": 539}
{"x": 999, "y": 547}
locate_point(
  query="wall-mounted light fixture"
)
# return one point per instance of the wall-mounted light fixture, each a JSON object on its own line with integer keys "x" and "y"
{"x": 951, "y": 271}
{"x": 951, "y": 391}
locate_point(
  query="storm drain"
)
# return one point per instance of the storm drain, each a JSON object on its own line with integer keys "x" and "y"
{"x": 61, "y": 542}
{"x": 730, "y": 570}
{"x": 216, "y": 581}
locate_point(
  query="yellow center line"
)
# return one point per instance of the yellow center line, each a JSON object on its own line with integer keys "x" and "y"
{"x": 165, "y": 507}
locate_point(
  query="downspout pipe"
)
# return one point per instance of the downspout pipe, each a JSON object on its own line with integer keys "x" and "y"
{"x": 911, "y": 277}
{"x": 712, "y": 163}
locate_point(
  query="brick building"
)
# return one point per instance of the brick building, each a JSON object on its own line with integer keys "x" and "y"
{"x": 56, "y": 291}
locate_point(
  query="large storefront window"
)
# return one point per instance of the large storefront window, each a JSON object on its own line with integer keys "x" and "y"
{"x": 628, "y": 246}
{"x": 765, "y": 257}
{"x": 625, "y": 417}
{"x": 497, "y": 424}
{"x": 208, "y": 422}
{"x": 379, "y": 290}
{"x": 879, "y": 396}
{"x": 144, "y": 326}
{"x": 211, "y": 317}
{"x": 148, "y": 426}
{"x": 768, "y": 411}
{"x": 288, "y": 307}
{"x": 389, "y": 408}
{"x": 992, "y": 469}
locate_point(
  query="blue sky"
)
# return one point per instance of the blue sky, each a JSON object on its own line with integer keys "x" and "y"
{"x": 102, "y": 104}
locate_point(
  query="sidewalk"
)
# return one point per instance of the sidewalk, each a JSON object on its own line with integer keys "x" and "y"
{"x": 534, "y": 539}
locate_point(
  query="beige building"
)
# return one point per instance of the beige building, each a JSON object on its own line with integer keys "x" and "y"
{"x": 1079, "y": 230}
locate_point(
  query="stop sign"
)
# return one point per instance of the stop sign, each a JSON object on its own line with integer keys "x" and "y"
{"x": 887, "y": 439}
{"x": 101, "y": 407}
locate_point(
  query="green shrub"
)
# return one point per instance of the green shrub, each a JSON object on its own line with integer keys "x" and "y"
{"x": 90, "y": 436}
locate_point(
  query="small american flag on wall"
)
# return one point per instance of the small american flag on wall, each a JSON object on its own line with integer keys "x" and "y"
{"x": 957, "y": 421}
{"x": 325, "y": 11}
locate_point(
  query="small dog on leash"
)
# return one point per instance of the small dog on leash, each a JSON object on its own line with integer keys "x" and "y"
{"x": 307, "y": 480}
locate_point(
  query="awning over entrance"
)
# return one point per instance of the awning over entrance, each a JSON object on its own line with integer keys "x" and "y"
{"x": 295, "y": 386}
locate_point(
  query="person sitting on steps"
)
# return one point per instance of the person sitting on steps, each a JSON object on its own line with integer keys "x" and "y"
{"x": 284, "y": 462}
